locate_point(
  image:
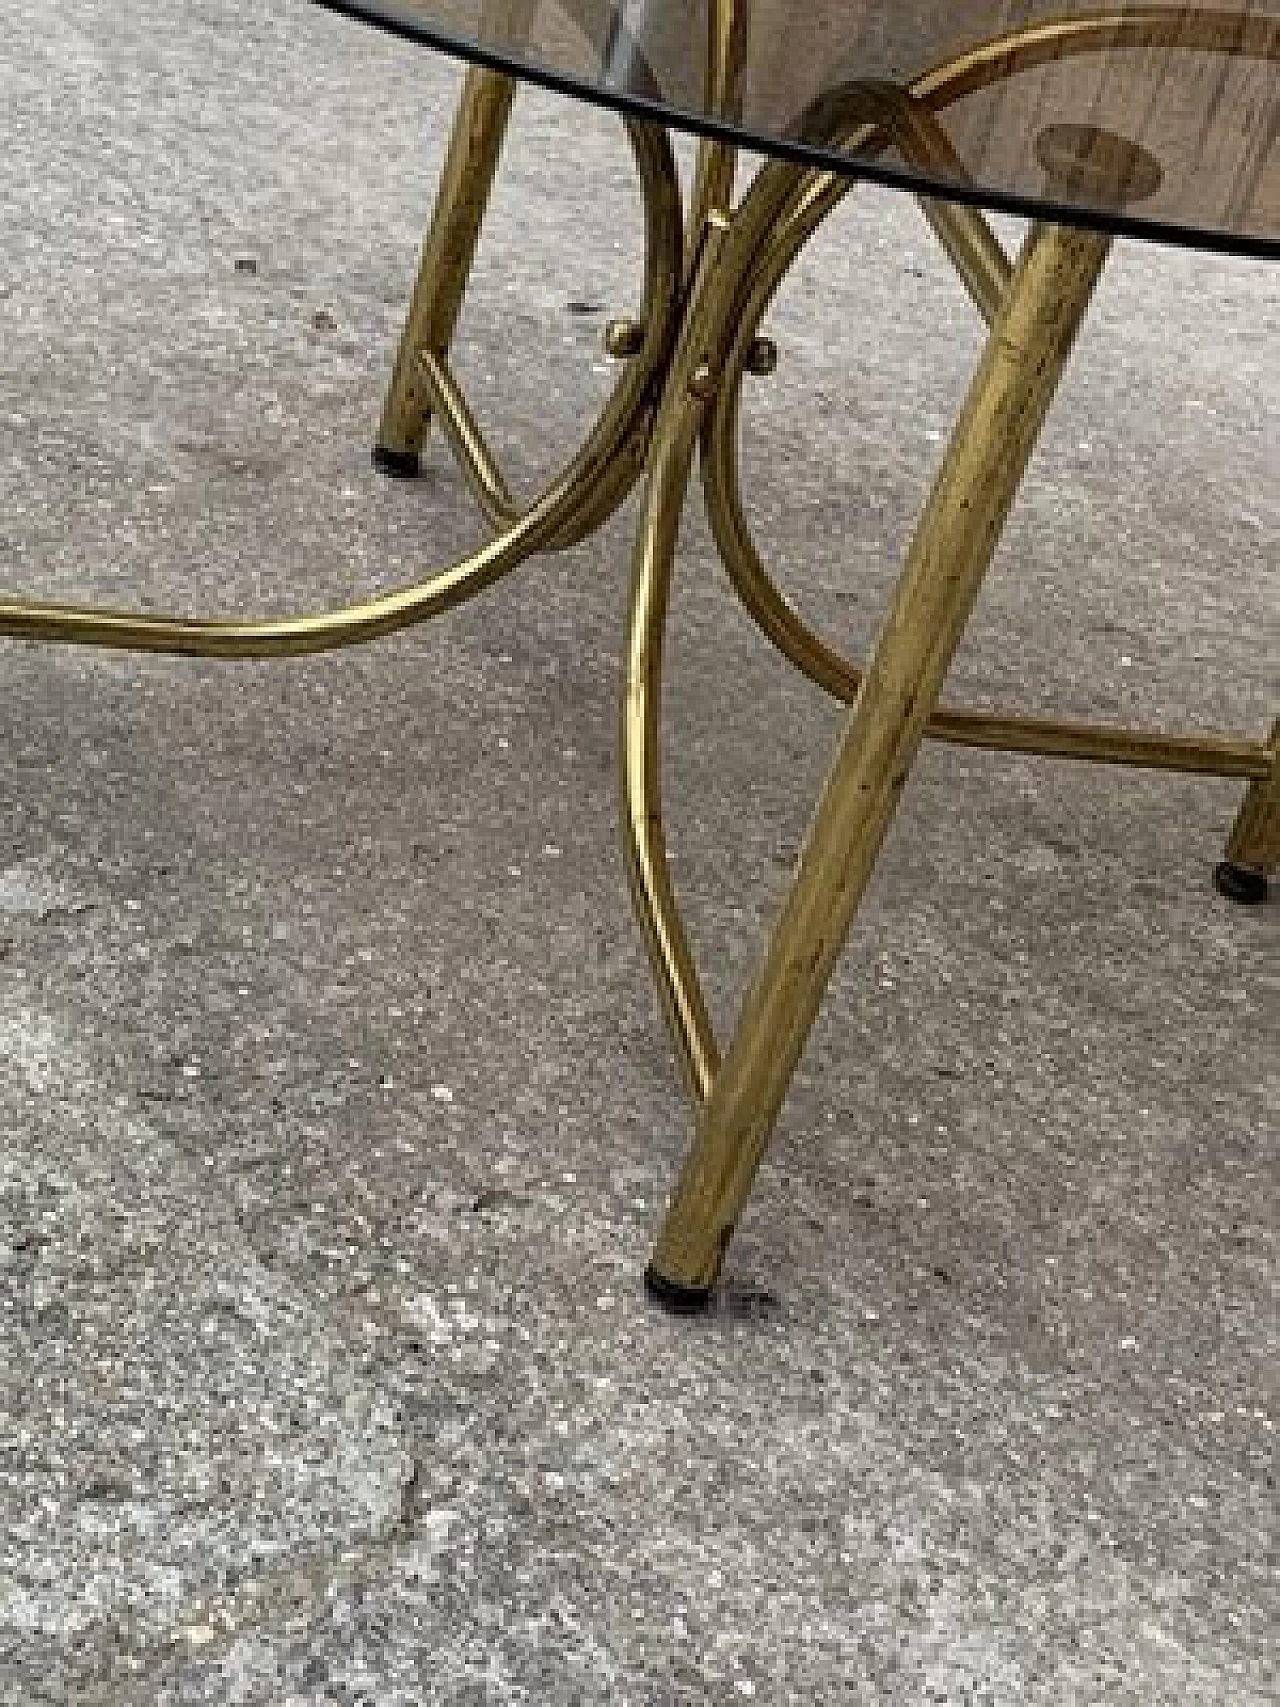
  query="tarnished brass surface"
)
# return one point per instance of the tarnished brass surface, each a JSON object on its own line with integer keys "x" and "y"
{"x": 793, "y": 212}
{"x": 957, "y": 534}
{"x": 466, "y": 182}
{"x": 787, "y": 629}
{"x": 645, "y": 342}
{"x": 974, "y": 250}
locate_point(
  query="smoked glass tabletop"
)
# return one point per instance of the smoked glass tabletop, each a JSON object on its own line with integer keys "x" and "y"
{"x": 1015, "y": 103}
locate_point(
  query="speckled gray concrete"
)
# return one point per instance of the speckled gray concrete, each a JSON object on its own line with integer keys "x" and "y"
{"x": 335, "y": 1114}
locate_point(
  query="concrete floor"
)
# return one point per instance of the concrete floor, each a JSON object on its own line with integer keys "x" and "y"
{"x": 336, "y": 1116}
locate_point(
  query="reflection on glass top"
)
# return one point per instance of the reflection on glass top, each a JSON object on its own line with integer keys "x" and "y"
{"x": 939, "y": 93}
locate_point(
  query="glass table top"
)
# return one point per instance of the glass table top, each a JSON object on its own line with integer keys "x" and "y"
{"x": 1014, "y": 103}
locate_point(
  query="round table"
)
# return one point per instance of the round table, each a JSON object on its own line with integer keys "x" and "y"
{"x": 1157, "y": 121}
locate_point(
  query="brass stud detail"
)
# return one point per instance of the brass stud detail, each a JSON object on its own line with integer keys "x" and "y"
{"x": 703, "y": 381}
{"x": 623, "y": 339}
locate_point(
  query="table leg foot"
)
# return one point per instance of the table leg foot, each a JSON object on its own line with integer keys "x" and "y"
{"x": 1253, "y": 847}
{"x": 1241, "y": 883}
{"x": 396, "y": 464}
{"x": 678, "y": 1300}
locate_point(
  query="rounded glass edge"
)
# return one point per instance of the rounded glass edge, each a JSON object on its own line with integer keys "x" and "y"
{"x": 384, "y": 15}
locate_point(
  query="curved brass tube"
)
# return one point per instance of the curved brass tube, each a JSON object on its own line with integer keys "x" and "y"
{"x": 826, "y": 122}
{"x": 720, "y": 276}
{"x": 1198, "y": 29}
{"x": 601, "y": 473}
{"x": 782, "y": 624}
{"x": 640, "y": 759}
{"x": 292, "y": 637}
{"x": 716, "y": 276}
{"x": 674, "y": 441}
{"x": 783, "y": 210}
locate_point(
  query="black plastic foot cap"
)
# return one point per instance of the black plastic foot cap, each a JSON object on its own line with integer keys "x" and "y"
{"x": 397, "y": 464}
{"x": 1240, "y": 883}
{"x": 680, "y": 1300}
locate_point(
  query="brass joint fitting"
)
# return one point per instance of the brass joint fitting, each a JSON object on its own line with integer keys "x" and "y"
{"x": 623, "y": 339}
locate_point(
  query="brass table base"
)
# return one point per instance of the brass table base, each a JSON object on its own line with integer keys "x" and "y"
{"x": 677, "y": 397}
{"x": 739, "y": 257}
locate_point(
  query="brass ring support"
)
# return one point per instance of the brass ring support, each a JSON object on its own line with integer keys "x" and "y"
{"x": 790, "y": 215}
{"x": 594, "y": 483}
{"x": 787, "y": 630}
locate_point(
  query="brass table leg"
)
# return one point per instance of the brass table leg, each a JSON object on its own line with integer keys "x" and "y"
{"x": 448, "y": 250}
{"x": 953, "y": 545}
{"x": 1253, "y": 847}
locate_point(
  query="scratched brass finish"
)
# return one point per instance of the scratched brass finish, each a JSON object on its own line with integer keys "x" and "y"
{"x": 961, "y": 525}
{"x": 466, "y": 183}
{"x": 780, "y": 212}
